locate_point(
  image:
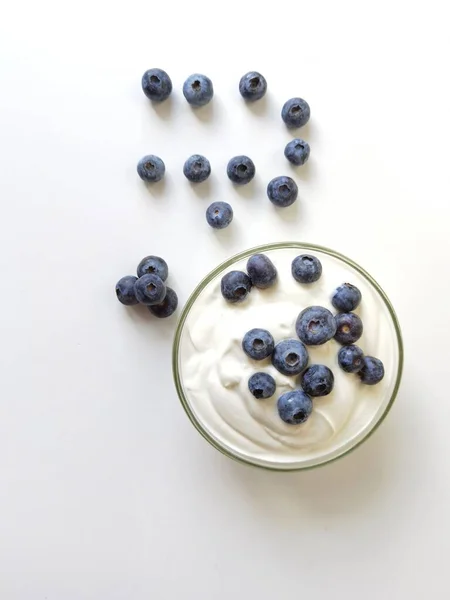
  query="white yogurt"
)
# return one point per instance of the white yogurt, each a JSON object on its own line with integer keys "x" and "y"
{"x": 214, "y": 369}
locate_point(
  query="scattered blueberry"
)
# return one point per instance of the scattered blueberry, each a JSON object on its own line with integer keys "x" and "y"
{"x": 167, "y": 307}
{"x": 350, "y": 358}
{"x": 241, "y": 169}
{"x": 295, "y": 112}
{"x": 306, "y": 268}
{"x": 125, "y": 290}
{"x": 297, "y": 151}
{"x": 198, "y": 89}
{"x": 349, "y": 328}
{"x": 235, "y": 286}
{"x": 317, "y": 380}
{"x": 372, "y": 371}
{"x": 346, "y": 297}
{"x": 315, "y": 325}
{"x": 290, "y": 357}
{"x": 150, "y": 289}
{"x": 282, "y": 191}
{"x": 258, "y": 344}
{"x": 261, "y": 271}
{"x": 197, "y": 168}
{"x": 294, "y": 407}
{"x": 156, "y": 84}
{"x": 219, "y": 215}
{"x": 153, "y": 265}
{"x": 252, "y": 86}
{"x": 151, "y": 168}
{"x": 262, "y": 385}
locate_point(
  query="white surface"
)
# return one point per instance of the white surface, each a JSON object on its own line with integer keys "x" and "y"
{"x": 106, "y": 490}
{"x": 215, "y": 372}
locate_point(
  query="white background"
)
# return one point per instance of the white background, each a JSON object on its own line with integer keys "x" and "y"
{"x": 106, "y": 490}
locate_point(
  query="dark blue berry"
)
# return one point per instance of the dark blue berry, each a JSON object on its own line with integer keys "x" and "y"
{"x": 290, "y": 357}
{"x": 306, "y": 268}
{"x": 167, "y": 307}
{"x": 150, "y": 289}
{"x": 252, "y": 86}
{"x": 261, "y": 271}
{"x": 235, "y": 286}
{"x": 315, "y": 325}
{"x": 372, "y": 371}
{"x": 258, "y": 344}
{"x": 241, "y": 169}
{"x": 153, "y": 265}
{"x": 197, "y": 168}
{"x": 262, "y": 385}
{"x": 219, "y": 215}
{"x": 151, "y": 168}
{"x": 125, "y": 290}
{"x": 350, "y": 359}
{"x": 198, "y": 89}
{"x": 346, "y": 297}
{"x": 294, "y": 407}
{"x": 297, "y": 151}
{"x": 282, "y": 191}
{"x": 317, "y": 380}
{"x": 156, "y": 84}
{"x": 295, "y": 112}
{"x": 349, "y": 328}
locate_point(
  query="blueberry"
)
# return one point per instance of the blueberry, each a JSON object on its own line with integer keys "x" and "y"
{"x": 235, "y": 286}
{"x": 258, "y": 344}
{"x": 198, "y": 89}
{"x": 150, "y": 289}
{"x": 350, "y": 359}
{"x": 156, "y": 84}
{"x": 262, "y": 385}
{"x": 297, "y": 151}
{"x": 151, "y": 168}
{"x": 197, "y": 168}
{"x": 349, "y": 328}
{"x": 125, "y": 290}
{"x": 261, "y": 271}
{"x": 372, "y": 371}
{"x": 290, "y": 357}
{"x": 317, "y": 380}
{"x": 306, "y": 268}
{"x": 219, "y": 215}
{"x": 315, "y": 325}
{"x": 282, "y": 191}
{"x": 167, "y": 307}
{"x": 240, "y": 169}
{"x": 155, "y": 265}
{"x": 294, "y": 407}
{"x": 295, "y": 112}
{"x": 252, "y": 86}
{"x": 346, "y": 297}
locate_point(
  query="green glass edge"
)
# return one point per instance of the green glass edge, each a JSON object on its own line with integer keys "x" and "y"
{"x": 241, "y": 255}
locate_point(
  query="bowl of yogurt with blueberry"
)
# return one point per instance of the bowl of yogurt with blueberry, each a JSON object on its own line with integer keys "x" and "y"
{"x": 287, "y": 356}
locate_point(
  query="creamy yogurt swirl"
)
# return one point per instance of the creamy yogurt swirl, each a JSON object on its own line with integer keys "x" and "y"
{"x": 214, "y": 370}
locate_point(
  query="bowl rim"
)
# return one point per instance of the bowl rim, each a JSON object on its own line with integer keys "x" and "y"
{"x": 229, "y": 262}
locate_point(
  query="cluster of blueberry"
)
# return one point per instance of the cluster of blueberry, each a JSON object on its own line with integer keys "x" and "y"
{"x": 198, "y": 91}
{"x": 149, "y": 288}
{"x": 315, "y": 325}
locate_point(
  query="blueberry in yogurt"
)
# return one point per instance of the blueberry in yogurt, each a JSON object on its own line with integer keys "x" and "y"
{"x": 372, "y": 371}
{"x": 262, "y": 385}
{"x": 258, "y": 344}
{"x": 261, "y": 271}
{"x": 306, "y": 268}
{"x": 349, "y": 328}
{"x": 235, "y": 286}
{"x": 315, "y": 325}
{"x": 290, "y": 357}
{"x": 346, "y": 297}
{"x": 350, "y": 358}
{"x": 317, "y": 380}
{"x": 294, "y": 407}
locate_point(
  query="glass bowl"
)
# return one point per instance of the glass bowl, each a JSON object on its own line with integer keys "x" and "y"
{"x": 338, "y": 443}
